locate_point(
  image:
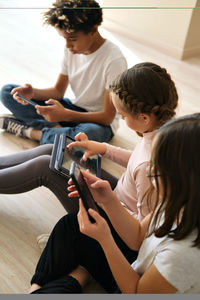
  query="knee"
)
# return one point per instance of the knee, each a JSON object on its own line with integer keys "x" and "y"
{"x": 39, "y": 166}
{"x": 43, "y": 163}
{"x": 99, "y": 133}
{"x": 45, "y": 149}
{"x": 5, "y": 93}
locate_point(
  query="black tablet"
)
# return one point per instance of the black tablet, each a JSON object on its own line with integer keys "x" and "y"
{"x": 82, "y": 188}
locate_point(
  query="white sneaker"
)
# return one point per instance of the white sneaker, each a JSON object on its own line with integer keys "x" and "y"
{"x": 42, "y": 240}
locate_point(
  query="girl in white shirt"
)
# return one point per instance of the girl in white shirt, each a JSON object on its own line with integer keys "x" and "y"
{"x": 168, "y": 239}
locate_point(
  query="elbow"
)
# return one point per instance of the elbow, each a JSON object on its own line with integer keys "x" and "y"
{"x": 108, "y": 119}
{"x": 132, "y": 287}
{"x": 60, "y": 95}
{"x": 107, "y": 123}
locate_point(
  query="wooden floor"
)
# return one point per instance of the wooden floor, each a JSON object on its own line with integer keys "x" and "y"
{"x": 31, "y": 53}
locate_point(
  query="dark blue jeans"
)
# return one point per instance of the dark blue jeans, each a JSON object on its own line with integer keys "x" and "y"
{"x": 28, "y": 115}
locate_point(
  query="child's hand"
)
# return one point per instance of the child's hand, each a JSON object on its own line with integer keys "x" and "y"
{"x": 81, "y": 136}
{"x": 91, "y": 147}
{"x": 26, "y": 91}
{"x": 72, "y": 189}
{"x": 53, "y": 112}
{"x": 99, "y": 230}
{"x": 100, "y": 189}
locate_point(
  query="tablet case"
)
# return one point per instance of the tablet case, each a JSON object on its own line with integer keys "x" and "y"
{"x": 59, "y": 152}
{"x": 53, "y": 160}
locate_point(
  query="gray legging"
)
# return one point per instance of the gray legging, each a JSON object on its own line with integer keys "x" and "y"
{"x": 29, "y": 169}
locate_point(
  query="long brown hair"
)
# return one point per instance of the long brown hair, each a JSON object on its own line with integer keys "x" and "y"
{"x": 176, "y": 161}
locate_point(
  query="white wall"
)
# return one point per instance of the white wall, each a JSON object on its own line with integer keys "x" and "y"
{"x": 164, "y": 29}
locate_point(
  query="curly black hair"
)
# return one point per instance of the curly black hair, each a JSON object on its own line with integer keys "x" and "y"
{"x": 74, "y": 15}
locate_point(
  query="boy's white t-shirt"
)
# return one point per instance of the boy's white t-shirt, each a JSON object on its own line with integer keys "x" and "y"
{"x": 177, "y": 261}
{"x": 90, "y": 75}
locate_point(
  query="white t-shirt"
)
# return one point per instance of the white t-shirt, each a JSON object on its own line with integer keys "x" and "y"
{"x": 90, "y": 75}
{"x": 177, "y": 261}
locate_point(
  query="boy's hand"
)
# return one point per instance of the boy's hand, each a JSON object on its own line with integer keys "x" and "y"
{"x": 26, "y": 91}
{"x": 53, "y": 112}
{"x": 92, "y": 147}
{"x": 99, "y": 230}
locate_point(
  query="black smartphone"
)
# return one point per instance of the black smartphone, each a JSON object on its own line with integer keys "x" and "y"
{"x": 82, "y": 188}
{"x": 65, "y": 156}
{"x": 27, "y": 100}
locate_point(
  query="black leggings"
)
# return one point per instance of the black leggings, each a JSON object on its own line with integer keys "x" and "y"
{"x": 68, "y": 248}
{"x": 65, "y": 285}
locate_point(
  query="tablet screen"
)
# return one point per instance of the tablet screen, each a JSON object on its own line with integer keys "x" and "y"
{"x": 67, "y": 156}
{"x": 76, "y": 154}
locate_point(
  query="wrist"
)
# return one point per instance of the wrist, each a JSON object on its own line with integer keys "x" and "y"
{"x": 106, "y": 242}
{"x": 34, "y": 94}
{"x": 103, "y": 149}
{"x": 69, "y": 115}
{"x": 110, "y": 204}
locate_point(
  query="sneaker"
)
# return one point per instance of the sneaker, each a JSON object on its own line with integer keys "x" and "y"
{"x": 12, "y": 125}
{"x": 42, "y": 240}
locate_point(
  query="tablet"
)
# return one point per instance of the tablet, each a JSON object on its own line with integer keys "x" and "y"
{"x": 62, "y": 157}
{"x": 82, "y": 188}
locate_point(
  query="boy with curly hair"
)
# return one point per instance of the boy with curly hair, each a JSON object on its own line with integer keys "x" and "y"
{"x": 90, "y": 63}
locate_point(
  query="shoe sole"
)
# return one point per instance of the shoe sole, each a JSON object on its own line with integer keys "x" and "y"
{"x": 7, "y": 116}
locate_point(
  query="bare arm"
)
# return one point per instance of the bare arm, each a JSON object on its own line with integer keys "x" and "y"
{"x": 104, "y": 117}
{"x": 56, "y": 92}
{"x": 127, "y": 279}
{"x": 151, "y": 282}
{"x": 128, "y": 227}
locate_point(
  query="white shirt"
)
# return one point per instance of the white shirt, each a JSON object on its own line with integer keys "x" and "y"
{"x": 177, "y": 261}
{"x": 90, "y": 75}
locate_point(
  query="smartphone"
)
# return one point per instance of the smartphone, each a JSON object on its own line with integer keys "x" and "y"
{"x": 82, "y": 188}
{"x": 27, "y": 100}
{"x": 66, "y": 156}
